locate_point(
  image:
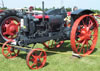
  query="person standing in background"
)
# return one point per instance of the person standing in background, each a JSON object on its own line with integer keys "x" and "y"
{"x": 75, "y": 8}
{"x": 31, "y": 8}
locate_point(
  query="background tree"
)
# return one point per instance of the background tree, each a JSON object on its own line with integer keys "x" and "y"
{"x": 4, "y": 8}
{"x": 96, "y": 11}
{"x": 68, "y": 9}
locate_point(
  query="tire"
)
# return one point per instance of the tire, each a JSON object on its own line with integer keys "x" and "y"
{"x": 6, "y": 24}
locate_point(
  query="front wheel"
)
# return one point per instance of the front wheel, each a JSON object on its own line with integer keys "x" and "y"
{"x": 36, "y": 58}
{"x": 9, "y": 51}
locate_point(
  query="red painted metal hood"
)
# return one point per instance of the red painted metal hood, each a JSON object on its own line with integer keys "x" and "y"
{"x": 1, "y": 11}
{"x": 41, "y": 16}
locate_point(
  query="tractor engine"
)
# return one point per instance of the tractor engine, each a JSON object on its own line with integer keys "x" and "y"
{"x": 33, "y": 27}
{"x": 41, "y": 28}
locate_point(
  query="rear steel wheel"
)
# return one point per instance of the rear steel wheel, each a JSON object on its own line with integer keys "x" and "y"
{"x": 36, "y": 58}
{"x": 53, "y": 44}
{"x": 9, "y": 25}
{"x": 8, "y": 51}
{"x": 84, "y": 35}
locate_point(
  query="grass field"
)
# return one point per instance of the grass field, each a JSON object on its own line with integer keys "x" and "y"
{"x": 62, "y": 61}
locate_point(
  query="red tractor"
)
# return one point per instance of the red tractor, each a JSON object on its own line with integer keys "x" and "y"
{"x": 28, "y": 29}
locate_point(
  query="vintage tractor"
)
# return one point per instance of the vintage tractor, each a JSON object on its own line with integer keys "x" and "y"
{"x": 31, "y": 29}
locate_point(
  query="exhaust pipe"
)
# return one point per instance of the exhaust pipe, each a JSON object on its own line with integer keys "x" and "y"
{"x": 43, "y": 11}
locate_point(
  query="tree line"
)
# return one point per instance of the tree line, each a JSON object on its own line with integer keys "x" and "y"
{"x": 68, "y": 9}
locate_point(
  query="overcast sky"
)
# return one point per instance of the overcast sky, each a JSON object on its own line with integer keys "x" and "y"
{"x": 84, "y": 4}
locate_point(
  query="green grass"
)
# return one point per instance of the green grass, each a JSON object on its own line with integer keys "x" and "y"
{"x": 62, "y": 61}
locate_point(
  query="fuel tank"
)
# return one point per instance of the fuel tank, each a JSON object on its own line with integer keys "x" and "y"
{"x": 56, "y": 18}
{"x": 55, "y": 21}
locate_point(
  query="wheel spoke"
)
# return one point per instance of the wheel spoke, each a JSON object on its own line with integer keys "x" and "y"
{"x": 8, "y": 47}
{"x": 83, "y": 22}
{"x": 40, "y": 61}
{"x": 78, "y": 46}
{"x": 42, "y": 57}
{"x": 87, "y": 46}
{"x": 12, "y": 22}
{"x": 94, "y": 36}
{"x": 14, "y": 52}
{"x": 83, "y": 50}
{"x": 40, "y": 54}
{"x": 90, "y": 24}
{"x": 6, "y": 54}
{"x": 82, "y": 46}
{"x": 92, "y": 32}
{"x": 5, "y": 33}
{"x": 36, "y": 64}
{"x": 48, "y": 42}
{"x": 6, "y": 25}
{"x": 10, "y": 54}
{"x": 33, "y": 56}
{"x": 81, "y": 38}
{"x": 52, "y": 44}
{"x": 32, "y": 65}
{"x": 18, "y": 24}
{"x": 30, "y": 60}
{"x": 12, "y": 36}
{"x": 5, "y": 49}
{"x": 87, "y": 18}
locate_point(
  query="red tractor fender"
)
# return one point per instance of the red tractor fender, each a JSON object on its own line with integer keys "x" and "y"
{"x": 76, "y": 14}
{"x": 81, "y": 12}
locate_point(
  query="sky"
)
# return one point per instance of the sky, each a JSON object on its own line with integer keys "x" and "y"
{"x": 83, "y": 4}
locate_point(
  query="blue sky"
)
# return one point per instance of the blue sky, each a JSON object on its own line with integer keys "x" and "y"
{"x": 84, "y": 4}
